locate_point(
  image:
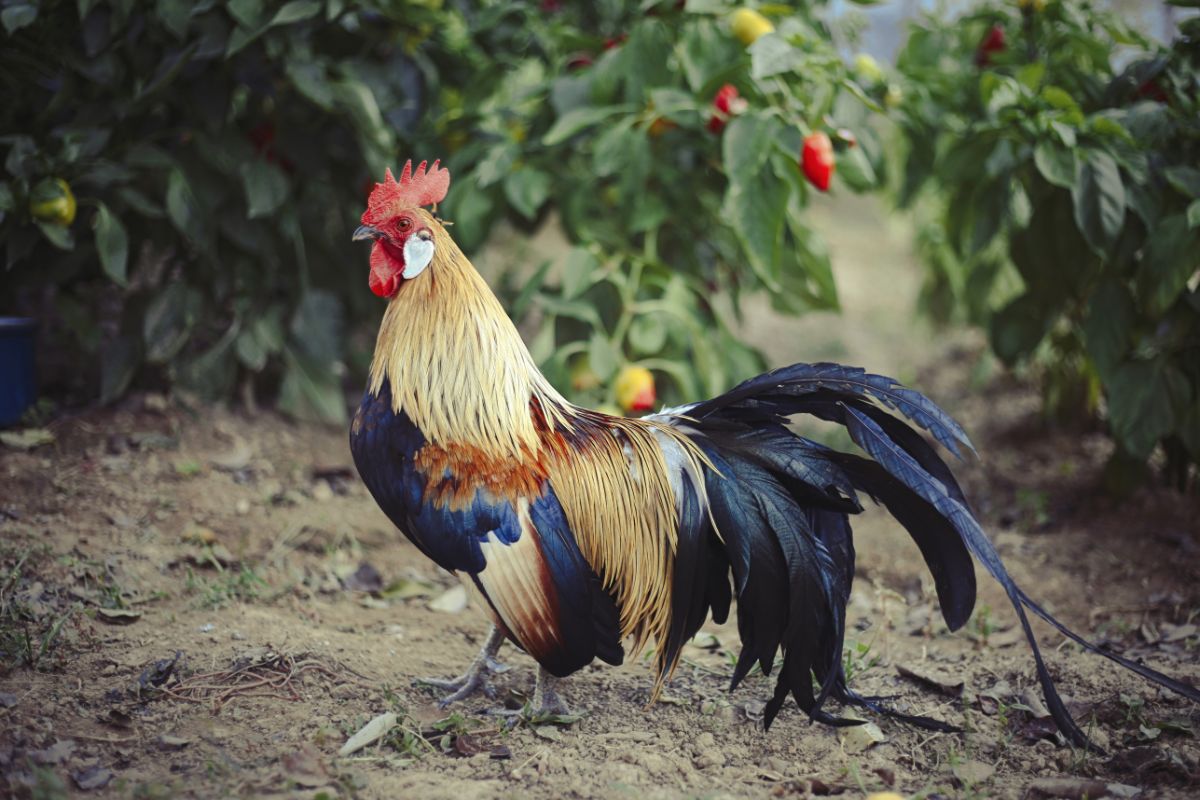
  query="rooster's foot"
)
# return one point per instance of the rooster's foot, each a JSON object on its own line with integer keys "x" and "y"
{"x": 475, "y": 679}
{"x": 546, "y": 702}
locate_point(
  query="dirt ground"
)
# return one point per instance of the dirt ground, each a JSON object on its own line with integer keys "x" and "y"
{"x": 201, "y": 602}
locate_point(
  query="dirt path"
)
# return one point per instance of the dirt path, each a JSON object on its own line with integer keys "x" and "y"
{"x": 247, "y": 547}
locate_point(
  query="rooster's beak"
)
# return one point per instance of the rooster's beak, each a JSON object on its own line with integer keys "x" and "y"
{"x": 366, "y": 232}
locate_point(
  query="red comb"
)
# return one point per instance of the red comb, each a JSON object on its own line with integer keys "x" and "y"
{"x": 419, "y": 188}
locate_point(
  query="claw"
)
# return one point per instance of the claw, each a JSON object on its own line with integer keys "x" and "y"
{"x": 546, "y": 702}
{"x": 475, "y": 679}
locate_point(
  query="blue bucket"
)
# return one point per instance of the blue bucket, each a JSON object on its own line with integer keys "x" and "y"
{"x": 17, "y": 390}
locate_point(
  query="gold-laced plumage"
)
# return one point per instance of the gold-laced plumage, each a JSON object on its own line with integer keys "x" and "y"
{"x": 458, "y": 368}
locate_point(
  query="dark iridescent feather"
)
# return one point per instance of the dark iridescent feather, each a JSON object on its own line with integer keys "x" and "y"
{"x": 780, "y": 503}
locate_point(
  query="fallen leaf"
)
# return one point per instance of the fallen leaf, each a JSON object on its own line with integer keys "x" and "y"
{"x": 939, "y": 682}
{"x": 859, "y": 738}
{"x": 467, "y": 745}
{"x": 118, "y": 616}
{"x": 372, "y": 732}
{"x": 973, "y": 773}
{"x": 451, "y": 601}
{"x": 28, "y": 439}
{"x": 548, "y": 732}
{"x": 1178, "y": 633}
{"x": 94, "y": 777}
{"x": 404, "y": 589}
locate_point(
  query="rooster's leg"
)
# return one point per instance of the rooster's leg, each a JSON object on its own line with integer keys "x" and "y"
{"x": 475, "y": 679}
{"x": 546, "y": 701}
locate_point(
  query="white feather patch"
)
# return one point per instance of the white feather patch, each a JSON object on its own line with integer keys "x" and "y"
{"x": 417, "y": 255}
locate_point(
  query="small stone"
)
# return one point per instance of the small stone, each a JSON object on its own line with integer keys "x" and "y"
{"x": 322, "y": 492}
{"x": 242, "y": 507}
{"x": 710, "y": 758}
{"x": 705, "y": 741}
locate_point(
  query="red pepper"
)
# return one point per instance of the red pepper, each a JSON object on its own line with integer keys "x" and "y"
{"x": 993, "y": 42}
{"x": 816, "y": 159}
{"x": 727, "y": 103}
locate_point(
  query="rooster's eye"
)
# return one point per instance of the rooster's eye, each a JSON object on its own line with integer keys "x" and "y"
{"x": 404, "y": 224}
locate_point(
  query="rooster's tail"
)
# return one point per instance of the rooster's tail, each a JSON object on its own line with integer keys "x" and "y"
{"x": 780, "y": 506}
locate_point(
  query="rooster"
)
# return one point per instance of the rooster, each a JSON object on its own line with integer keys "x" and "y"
{"x": 579, "y": 530}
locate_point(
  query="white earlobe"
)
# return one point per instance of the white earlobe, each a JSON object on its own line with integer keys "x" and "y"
{"x": 417, "y": 255}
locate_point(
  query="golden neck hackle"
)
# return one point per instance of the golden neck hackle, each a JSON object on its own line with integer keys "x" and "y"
{"x": 456, "y": 364}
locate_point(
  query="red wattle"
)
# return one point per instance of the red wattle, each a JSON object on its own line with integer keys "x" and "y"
{"x": 385, "y": 272}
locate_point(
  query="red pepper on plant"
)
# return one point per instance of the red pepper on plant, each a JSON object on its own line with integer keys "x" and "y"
{"x": 993, "y": 42}
{"x": 726, "y": 103}
{"x": 816, "y": 159}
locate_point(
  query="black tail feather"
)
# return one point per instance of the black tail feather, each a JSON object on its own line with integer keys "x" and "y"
{"x": 780, "y": 504}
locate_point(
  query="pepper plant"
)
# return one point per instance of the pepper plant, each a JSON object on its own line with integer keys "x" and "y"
{"x": 180, "y": 179}
{"x": 1062, "y": 193}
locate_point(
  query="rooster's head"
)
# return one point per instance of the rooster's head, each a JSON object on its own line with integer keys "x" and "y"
{"x": 403, "y": 231}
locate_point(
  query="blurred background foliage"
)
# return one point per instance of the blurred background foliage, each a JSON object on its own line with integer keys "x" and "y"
{"x": 1059, "y": 187}
{"x": 219, "y": 153}
{"x": 180, "y": 181}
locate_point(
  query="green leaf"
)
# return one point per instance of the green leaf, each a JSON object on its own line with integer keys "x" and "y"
{"x": 1170, "y": 258}
{"x": 755, "y": 207}
{"x": 579, "y": 310}
{"x": 1193, "y": 214}
{"x": 1108, "y": 328}
{"x": 746, "y": 146}
{"x": 602, "y": 356}
{"x": 1018, "y": 328}
{"x": 1030, "y": 76}
{"x": 140, "y": 203}
{"x": 262, "y": 339}
{"x": 247, "y": 12}
{"x": 296, "y": 11}
{"x": 999, "y": 92}
{"x": 175, "y": 15}
{"x": 310, "y": 80}
{"x": 1139, "y": 403}
{"x": 771, "y": 55}
{"x": 531, "y": 287}
{"x": 1059, "y": 98}
{"x": 58, "y": 235}
{"x": 112, "y": 242}
{"x": 647, "y": 334}
{"x": 579, "y": 272}
{"x": 1185, "y": 179}
{"x": 119, "y": 361}
{"x": 1099, "y": 197}
{"x": 266, "y": 188}
{"x": 182, "y": 207}
{"x": 18, "y": 16}
{"x": 7, "y": 201}
{"x": 169, "y": 321}
{"x": 856, "y": 170}
{"x": 1056, "y": 164}
{"x": 526, "y": 190}
{"x": 579, "y": 119}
